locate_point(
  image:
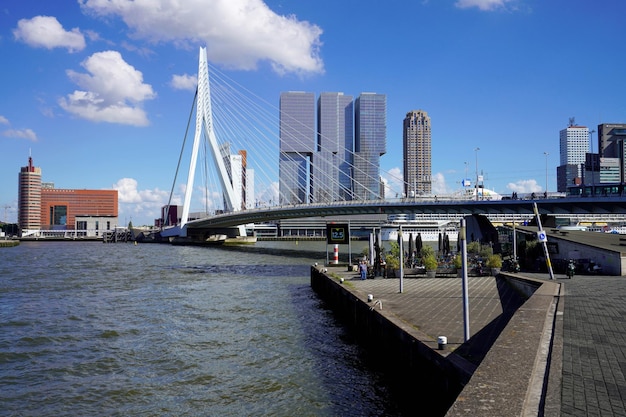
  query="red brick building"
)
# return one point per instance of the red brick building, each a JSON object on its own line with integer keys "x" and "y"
{"x": 60, "y": 207}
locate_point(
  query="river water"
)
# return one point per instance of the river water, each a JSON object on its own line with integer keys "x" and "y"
{"x": 150, "y": 329}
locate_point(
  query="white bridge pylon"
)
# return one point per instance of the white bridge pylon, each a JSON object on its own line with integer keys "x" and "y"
{"x": 204, "y": 124}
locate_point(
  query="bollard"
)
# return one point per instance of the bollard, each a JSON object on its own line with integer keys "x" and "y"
{"x": 336, "y": 259}
{"x": 442, "y": 341}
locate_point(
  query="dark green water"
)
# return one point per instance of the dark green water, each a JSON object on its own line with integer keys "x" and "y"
{"x": 97, "y": 329}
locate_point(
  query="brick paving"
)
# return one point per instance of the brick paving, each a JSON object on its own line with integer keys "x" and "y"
{"x": 594, "y": 347}
{"x": 433, "y": 307}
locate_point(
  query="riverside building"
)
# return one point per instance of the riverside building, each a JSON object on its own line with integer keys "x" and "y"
{"x": 29, "y": 197}
{"x": 332, "y": 180}
{"x": 297, "y": 144}
{"x": 337, "y": 158}
{"x": 46, "y": 211}
{"x": 370, "y": 143}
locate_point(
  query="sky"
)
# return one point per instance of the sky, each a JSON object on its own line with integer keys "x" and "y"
{"x": 98, "y": 92}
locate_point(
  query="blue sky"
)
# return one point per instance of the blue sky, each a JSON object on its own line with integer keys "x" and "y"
{"x": 98, "y": 90}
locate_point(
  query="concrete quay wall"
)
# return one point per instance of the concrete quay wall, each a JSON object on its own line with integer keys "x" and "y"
{"x": 519, "y": 375}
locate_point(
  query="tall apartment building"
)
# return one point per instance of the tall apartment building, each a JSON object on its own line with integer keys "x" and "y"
{"x": 333, "y": 159}
{"x": 573, "y": 148}
{"x": 29, "y": 197}
{"x": 297, "y": 145}
{"x": 370, "y": 143}
{"x": 417, "y": 151}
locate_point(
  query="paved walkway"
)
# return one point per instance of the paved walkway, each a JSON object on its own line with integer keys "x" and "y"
{"x": 433, "y": 307}
{"x": 594, "y": 328}
{"x": 594, "y": 347}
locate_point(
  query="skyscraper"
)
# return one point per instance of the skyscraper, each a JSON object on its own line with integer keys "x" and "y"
{"x": 417, "y": 153}
{"x": 29, "y": 197}
{"x": 333, "y": 160}
{"x": 297, "y": 145}
{"x": 370, "y": 116}
{"x": 573, "y": 147}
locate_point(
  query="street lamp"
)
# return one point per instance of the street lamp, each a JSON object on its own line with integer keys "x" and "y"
{"x": 464, "y": 182}
{"x": 546, "y": 154}
{"x": 476, "y": 150}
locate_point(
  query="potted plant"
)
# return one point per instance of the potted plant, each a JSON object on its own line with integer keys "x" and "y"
{"x": 392, "y": 260}
{"x": 494, "y": 262}
{"x": 457, "y": 262}
{"x": 392, "y": 264}
{"x": 430, "y": 263}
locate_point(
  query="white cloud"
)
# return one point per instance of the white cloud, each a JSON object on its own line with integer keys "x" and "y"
{"x": 184, "y": 82}
{"x": 141, "y": 205}
{"x": 394, "y": 183}
{"x": 439, "y": 186}
{"x": 113, "y": 91}
{"x": 524, "y": 186}
{"x": 47, "y": 32}
{"x": 20, "y": 134}
{"x": 486, "y": 5}
{"x": 4, "y": 120}
{"x": 237, "y": 33}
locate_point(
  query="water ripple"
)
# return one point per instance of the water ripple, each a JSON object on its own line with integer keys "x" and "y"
{"x": 93, "y": 329}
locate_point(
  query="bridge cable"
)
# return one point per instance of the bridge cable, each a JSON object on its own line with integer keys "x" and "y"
{"x": 169, "y": 201}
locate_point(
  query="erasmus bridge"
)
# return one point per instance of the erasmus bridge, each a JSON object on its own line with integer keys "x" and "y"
{"x": 234, "y": 198}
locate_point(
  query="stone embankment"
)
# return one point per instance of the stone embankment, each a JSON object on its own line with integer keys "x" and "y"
{"x": 506, "y": 367}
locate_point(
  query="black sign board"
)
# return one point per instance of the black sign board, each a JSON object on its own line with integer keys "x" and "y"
{"x": 337, "y": 233}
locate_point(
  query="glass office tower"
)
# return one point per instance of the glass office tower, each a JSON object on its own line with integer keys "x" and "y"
{"x": 297, "y": 145}
{"x": 333, "y": 159}
{"x": 370, "y": 115}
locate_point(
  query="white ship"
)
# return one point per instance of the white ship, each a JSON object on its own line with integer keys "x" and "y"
{"x": 428, "y": 230}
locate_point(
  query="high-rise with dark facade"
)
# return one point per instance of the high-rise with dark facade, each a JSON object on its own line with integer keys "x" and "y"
{"x": 612, "y": 144}
{"x": 333, "y": 160}
{"x": 297, "y": 145}
{"x": 337, "y": 158}
{"x": 416, "y": 137}
{"x": 370, "y": 143}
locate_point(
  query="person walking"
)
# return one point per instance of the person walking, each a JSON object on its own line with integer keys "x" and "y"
{"x": 363, "y": 269}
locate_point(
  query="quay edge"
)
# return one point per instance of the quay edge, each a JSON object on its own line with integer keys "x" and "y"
{"x": 520, "y": 373}
{"x": 423, "y": 372}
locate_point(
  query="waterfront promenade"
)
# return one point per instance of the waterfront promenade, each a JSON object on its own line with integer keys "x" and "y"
{"x": 560, "y": 353}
